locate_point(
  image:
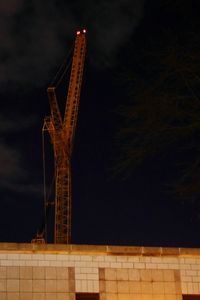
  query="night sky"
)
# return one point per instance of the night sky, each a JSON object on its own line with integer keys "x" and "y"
{"x": 36, "y": 36}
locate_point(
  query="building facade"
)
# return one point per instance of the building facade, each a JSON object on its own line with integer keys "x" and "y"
{"x": 76, "y": 272}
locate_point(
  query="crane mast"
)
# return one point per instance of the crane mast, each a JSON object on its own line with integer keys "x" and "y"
{"x": 61, "y": 133}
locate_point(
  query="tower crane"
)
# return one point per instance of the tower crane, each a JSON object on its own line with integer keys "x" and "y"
{"x": 61, "y": 131}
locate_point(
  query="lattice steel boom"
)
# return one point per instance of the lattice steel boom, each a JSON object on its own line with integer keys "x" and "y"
{"x": 62, "y": 134}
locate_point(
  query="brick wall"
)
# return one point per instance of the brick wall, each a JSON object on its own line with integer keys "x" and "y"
{"x": 31, "y": 272}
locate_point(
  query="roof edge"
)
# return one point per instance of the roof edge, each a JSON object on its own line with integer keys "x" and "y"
{"x": 97, "y": 249}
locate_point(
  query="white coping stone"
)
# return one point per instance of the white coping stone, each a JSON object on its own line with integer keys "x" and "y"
{"x": 50, "y": 257}
{"x": 3, "y": 256}
{"x": 13, "y": 256}
{"x": 84, "y": 287}
{"x": 98, "y": 258}
{"x": 184, "y": 267}
{"x": 67, "y": 264}
{"x": 62, "y": 257}
{"x": 38, "y": 256}
{"x": 89, "y": 270}
{"x": 55, "y": 263}
{"x": 151, "y": 266}
{"x": 80, "y": 264}
{"x": 110, "y": 258}
{"x": 133, "y": 259}
{"x": 74, "y": 257}
{"x": 195, "y": 267}
{"x": 122, "y": 258}
{"x": 186, "y": 279}
{"x": 96, "y": 286}
{"x": 139, "y": 266}
{"x": 86, "y": 258}
{"x": 43, "y": 263}
{"x": 163, "y": 266}
{"x": 190, "y": 260}
{"x": 184, "y": 288}
{"x": 127, "y": 265}
{"x": 31, "y": 263}
{"x": 86, "y": 267}
{"x": 85, "y": 264}
{"x": 25, "y": 256}
{"x": 22, "y": 263}
{"x": 90, "y": 286}
{"x": 195, "y": 279}
{"x": 78, "y": 285}
{"x": 81, "y": 276}
{"x": 173, "y": 266}
{"x": 92, "y": 264}
{"x": 104, "y": 265}
{"x": 6, "y": 263}
{"x": 182, "y": 272}
{"x": 15, "y": 263}
{"x": 145, "y": 259}
{"x": 170, "y": 260}
{"x": 156, "y": 260}
{"x": 92, "y": 276}
{"x": 191, "y": 272}
{"x": 115, "y": 265}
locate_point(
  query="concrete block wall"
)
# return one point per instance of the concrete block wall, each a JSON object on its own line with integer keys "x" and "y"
{"x": 118, "y": 284}
{"x": 36, "y": 283}
{"x": 57, "y": 272}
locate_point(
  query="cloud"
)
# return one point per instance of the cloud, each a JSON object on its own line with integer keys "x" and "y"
{"x": 34, "y": 35}
{"x": 10, "y": 162}
{"x": 13, "y": 176}
{"x": 16, "y": 124}
{"x": 10, "y": 7}
{"x": 23, "y": 188}
{"x": 31, "y": 41}
{"x": 112, "y": 23}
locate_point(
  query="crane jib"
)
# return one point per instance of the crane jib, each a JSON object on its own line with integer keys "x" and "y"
{"x": 62, "y": 135}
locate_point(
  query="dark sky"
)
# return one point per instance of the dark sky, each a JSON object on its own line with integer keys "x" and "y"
{"x": 35, "y": 37}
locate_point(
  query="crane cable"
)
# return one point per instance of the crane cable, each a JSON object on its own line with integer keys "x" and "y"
{"x": 47, "y": 202}
{"x": 55, "y": 83}
{"x": 44, "y": 187}
{"x": 64, "y": 66}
